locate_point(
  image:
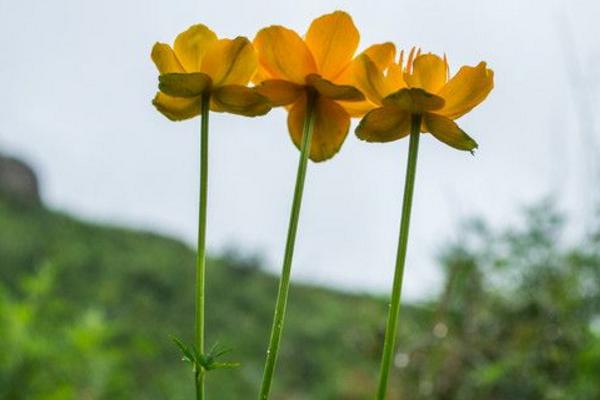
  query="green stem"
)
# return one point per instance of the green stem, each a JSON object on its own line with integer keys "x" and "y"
{"x": 394, "y": 308}
{"x": 284, "y": 283}
{"x": 201, "y": 256}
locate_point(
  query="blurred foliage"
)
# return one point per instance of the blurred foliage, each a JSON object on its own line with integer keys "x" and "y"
{"x": 86, "y": 312}
{"x": 518, "y": 318}
{"x": 89, "y": 312}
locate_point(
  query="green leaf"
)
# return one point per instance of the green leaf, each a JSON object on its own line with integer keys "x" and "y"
{"x": 184, "y": 84}
{"x": 414, "y": 100}
{"x": 207, "y": 361}
{"x": 447, "y": 131}
{"x": 225, "y": 365}
{"x": 188, "y": 354}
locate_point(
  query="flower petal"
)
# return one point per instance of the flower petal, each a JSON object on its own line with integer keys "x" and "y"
{"x": 177, "y": 108}
{"x": 357, "y": 109}
{"x": 447, "y": 131}
{"x": 394, "y": 78}
{"x": 469, "y": 87}
{"x": 414, "y": 100}
{"x": 384, "y": 124}
{"x": 332, "y": 39}
{"x": 183, "y": 84}
{"x": 238, "y": 99}
{"x": 191, "y": 45}
{"x": 282, "y": 54}
{"x": 331, "y": 90}
{"x": 381, "y": 54}
{"x": 230, "y": 62}
{"x": 279, "y": 92}
{"x": 331, "y": 126}
{"x": 369, "y": 78}
{"x": 429, "y": 72}
{"x": 165, "y": 59}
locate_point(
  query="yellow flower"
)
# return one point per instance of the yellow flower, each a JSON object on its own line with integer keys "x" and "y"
{"x": 290, "y": 69}
{"x": 200, "y": 64}
{"x": 422, "y": 87}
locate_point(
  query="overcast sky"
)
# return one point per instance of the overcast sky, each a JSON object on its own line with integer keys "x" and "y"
{"x": 77, "y": 82}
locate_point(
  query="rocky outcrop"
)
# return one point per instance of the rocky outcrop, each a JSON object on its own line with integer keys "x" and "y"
{"x": 18, "y": 182}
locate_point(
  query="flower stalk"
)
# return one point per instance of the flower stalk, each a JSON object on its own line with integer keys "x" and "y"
{"x": 284, "y": 282}
{"x": 394, "y": 307}
{"x": 201, "y": 255}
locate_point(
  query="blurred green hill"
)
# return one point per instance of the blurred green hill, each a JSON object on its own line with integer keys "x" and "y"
{"x": 86, "y": 312}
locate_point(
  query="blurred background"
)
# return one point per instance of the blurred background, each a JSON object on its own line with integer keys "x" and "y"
{"x": 98, "y": 213}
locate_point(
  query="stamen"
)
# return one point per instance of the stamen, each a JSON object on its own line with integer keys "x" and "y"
{"x": 447, "y": 67}
{"x": 409, "y": 63}
{"x": 401, "y": 60}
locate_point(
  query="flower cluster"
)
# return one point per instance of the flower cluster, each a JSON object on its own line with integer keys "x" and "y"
{"x": 287, "y": 69}
{"x": 322, "y": 83}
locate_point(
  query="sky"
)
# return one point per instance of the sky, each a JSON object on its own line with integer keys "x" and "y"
{"x": 77, "y": 84}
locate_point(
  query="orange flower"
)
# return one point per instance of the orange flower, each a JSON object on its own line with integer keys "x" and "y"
{"x": 201, "y": 64}
{"x": 290, "y": 69}
{"x": 421, "y": 87}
